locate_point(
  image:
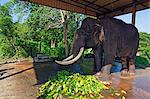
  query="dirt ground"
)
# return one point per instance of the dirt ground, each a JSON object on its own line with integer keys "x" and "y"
{"x": 21, "y": 80}
{"x": 16, "y": 83}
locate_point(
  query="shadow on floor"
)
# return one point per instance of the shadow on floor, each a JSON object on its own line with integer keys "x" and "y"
{"x": 15, "y": 73}
{"x": 43, "y": 71}
{"x": 46, "y": 70}
{"x": 2, "y": 70}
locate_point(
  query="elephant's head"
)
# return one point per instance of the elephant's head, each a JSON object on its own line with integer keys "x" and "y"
{"x": 89, "y": 35}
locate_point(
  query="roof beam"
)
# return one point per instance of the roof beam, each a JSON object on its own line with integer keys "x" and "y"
{"x": 91, "y": 2}
{"x": 60, "y": 4}
{"x": 110, "y": 3}
{"x": 89, "y": 7}
{"x": 126, "y": 6}
{"x": 98, "y": 11}
{"x": 97, "y": 5}
{"x": 143, "y": 5}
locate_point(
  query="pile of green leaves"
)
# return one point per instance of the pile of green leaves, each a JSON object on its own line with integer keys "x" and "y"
{"x": 71, "y": 85}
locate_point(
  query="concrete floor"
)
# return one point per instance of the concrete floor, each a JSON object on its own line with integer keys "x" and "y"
{"x": 137, "y": 87}
{"x": 21, "y": 81}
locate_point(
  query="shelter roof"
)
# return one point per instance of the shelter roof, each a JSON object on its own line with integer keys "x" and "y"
{"x": 97, "y": 7}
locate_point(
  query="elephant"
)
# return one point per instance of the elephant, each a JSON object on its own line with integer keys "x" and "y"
{"x": 109, "y": 38}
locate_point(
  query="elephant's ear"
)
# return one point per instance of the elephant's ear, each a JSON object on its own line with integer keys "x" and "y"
{"x": 102, "y": 35}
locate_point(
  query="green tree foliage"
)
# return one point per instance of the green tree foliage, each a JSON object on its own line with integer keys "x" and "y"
{"x": 144, "y": 50}
{"x": 42, "y": 31}
{"x": 6, "y": 26}
{"x": 144, "y": 45}
{"x": 8, "y": 36}
{"x": 6, "y": 49}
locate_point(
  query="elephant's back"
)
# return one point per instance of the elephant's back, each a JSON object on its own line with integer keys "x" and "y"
{"x": 124, "y": 37}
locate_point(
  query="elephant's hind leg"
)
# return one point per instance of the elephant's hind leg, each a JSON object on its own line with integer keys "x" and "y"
{"x": 128, "y": 67}
{"x": 131, "y": 67}
{"x": 124, "y": 71}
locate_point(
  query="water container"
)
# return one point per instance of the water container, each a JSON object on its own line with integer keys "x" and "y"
{"x": 117, "y": 66}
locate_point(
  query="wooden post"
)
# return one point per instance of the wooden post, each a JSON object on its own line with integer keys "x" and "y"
{"x": 133, "y": 13}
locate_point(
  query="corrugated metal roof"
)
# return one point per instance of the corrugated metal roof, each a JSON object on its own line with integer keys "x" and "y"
{"x": 97, "y": 7}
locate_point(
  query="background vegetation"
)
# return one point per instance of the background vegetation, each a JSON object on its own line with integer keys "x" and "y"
{"x": 27, "y": 29}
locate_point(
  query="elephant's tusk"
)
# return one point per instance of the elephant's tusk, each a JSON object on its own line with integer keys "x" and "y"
{"x": 68, "y": 58}
{"x": 72, "y": 60}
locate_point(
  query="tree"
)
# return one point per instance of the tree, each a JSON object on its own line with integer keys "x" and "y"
{"x": 45, "y": 29}
{"x": 7, "y": 44}
{"x": 144, "y": 46}
{"x": 64, "y": 15}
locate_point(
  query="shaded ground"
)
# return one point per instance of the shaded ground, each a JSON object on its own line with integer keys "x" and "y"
{"x": 21, "y": 80}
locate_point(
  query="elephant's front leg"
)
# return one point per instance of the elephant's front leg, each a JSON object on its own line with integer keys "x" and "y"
{"x": 98, "y": 54}
{"x": 103, "y": 75}
{"x": 108, "y": 60}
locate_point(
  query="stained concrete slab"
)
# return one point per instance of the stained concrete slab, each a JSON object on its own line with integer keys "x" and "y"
{"x": 21, "y": 80}
{"x": 137, "y": 87}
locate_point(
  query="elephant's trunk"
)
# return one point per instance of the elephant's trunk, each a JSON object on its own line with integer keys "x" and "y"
{"x": 69, "y": 60}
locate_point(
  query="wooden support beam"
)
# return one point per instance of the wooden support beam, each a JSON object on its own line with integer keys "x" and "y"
{"x": 60, "y": 4}
{"x": 97, "y": 5}
{"x": 125, "y": 6}
{"x": 134, "y": 12}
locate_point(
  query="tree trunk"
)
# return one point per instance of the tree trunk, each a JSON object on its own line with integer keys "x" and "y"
{"x": 53, "y": 43}
{"x": 40, "y": 46}
{"x": 64, "y": 21}
{"x": 65, "y": 36}
{"x": 71, "y": 50}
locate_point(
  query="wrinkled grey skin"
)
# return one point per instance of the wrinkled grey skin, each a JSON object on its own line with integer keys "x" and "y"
{"x": 119, "y": 39}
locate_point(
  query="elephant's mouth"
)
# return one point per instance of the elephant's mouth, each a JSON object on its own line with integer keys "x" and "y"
{"x": 71, "y": 59}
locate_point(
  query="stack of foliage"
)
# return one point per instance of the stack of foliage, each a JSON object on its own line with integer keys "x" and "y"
{"x": 75, "y": 86}
{"x": 70, "y": 85}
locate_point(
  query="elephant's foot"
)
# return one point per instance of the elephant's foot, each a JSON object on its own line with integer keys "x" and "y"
{"x": 103, "y": 78}
{"x": 104, "y": 75}
{"x": 124, "y": 73}
{"x": 106, "y": 69}
{"x": 131, "y": 70}
{"x": 128, "y": 73}
{"x": 98, "y": 74}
